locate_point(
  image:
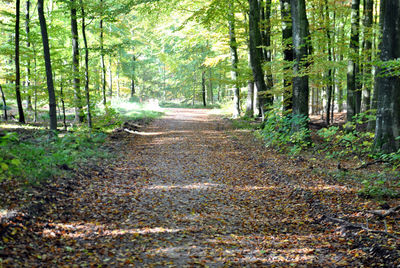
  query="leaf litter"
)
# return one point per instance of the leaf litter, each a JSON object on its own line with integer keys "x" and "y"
{"x": 189, "y": 190}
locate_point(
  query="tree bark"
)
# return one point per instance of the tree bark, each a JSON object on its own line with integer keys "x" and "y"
{"x": 3, "y": 98}
{"x": 203, "y": 87}
{"x": 103, "y": 65}
{"x": 353, "y": 90}
{"x": 256, "y": 55}
{"x": 133, "y": 77}
{"x": 28, "y": 64}
{"x": 87, "y": 92}
{"x": 367, "y": 48}
{"x": 17, "y": 65}
{"x": 49, "y": 72}
{"x": 234, "y": 62}
{"x": 388, "y": 83}
{"x": 266, "y": 43}
{"x": 301, "y": 49}
{"x": 75, "y": 64}
{"x": 287, "y": 54}
{"x": 110, "y": 78}
{"x": 329, "y": 86}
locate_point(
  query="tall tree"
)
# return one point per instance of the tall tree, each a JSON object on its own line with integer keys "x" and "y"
{"x": 234, "y": 62}
{"x": 203, "y": 87}
{"x": 353, "y": 89}
{"x": 287, "y": 53}
{"x": 75, "y": 64}
{"x": 256, "y": 55}
{"x": 103, "y": 64}
{"x": 301, "y": 49}
{"x": 367, "y": 49}
{"x": 17, "y": 65}
{"x": 87, "y": 92}
{"x": 329, "y": 85}
{"x": 266, "y": 43}
{"x": 388, "y": 82}
{"x": 28, "y": 64}
{"x": 49, "y": 72}
{"x": 3, "y": 98}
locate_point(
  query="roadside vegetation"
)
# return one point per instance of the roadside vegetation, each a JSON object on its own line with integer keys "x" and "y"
{"x": 344, "y": 149}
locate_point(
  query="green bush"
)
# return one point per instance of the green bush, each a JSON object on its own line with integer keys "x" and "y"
{"x": 278, "y": 132}
{"x": 380, "y": 187}
{"x": 43, "y": 158}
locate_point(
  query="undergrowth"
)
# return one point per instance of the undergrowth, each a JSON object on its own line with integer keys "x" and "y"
{"x": 41, "y": 156}
{"x": 338, "y": 143}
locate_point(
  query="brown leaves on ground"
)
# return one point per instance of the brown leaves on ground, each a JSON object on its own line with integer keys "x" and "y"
{"x": 190, "y": 191}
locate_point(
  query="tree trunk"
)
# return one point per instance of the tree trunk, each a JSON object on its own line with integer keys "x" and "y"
{"x": 256, "y": 55}
{"x": 103, "y": 65}
{"x": 3, "y": 98}
{"x": 250, "y": 99}
{"x": 49, "y": 72}
{"x": 17, "y": 65}
{"x": 266, "y": 43}
{"x": 75, "y": 64}
{"x": 110, "y": 79}
{"x": 28, "y": 64}
{"x": 87, "y": 92}
{"x": 133, "y": 78}
{"x": 388, "y": 83}
{"x": 234, "y": 62}
{"x": 329, "y": 86}
{"x": 287, "y": 54}
{"x": 301, "y": 49}
{"x": 367, "y": 48}
{"x": 210, "y": 85}
{"x": 203, "y": 87}
{"x": 353, "y": 90}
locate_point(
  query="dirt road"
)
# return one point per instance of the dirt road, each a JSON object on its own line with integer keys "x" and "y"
{"x": 190, "y": 191}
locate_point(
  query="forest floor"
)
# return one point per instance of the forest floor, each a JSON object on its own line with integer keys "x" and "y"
{"x": 189, "y": 190}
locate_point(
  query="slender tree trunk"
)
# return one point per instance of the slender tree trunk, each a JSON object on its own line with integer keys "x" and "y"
{"x": 256, "y": 56}
{"x": 35, "y": 114}
{"x": 3, "y": 98}
{"x": 63, "y": 105}
{"x": 17, "y": 65}
{"x": 210, "y": 85}
{"x": 118, "y": 85}
{"x": 103, "y": 65}
{"x": 353, "y": 91}
{"x": 203, "y": 87}
{"x": 28, "y": 64}
{"x": 49, "y": 72}
{"x": 266, "y": 42}
{"x": 75, "y": 64}
{"x": 110, "y": 79}
{"x": 329, "y": 86}
{"x": 287, "y": 54}
{"x": 301, "y": 49}
{"x": 87, "y": 92}
{"x": 133, "y": 77}
{"x": 388, "y": 84}
{"x": 234, "y": 62}
{"x": 367, "y": 48}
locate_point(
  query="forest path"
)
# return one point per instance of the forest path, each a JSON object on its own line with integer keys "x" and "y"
{"x": 191, "y": 191}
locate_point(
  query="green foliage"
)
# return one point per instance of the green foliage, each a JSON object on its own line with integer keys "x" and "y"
{"x": 43, "y": 158}
{"x": 278, "y": 133}
{"x": 337, "y": 142}
{"x": 380, "y": 187}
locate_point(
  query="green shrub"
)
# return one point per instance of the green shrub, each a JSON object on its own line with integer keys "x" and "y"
{"x": 379, "y": 188}
{"x": 278, "y": 132}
